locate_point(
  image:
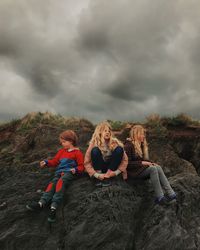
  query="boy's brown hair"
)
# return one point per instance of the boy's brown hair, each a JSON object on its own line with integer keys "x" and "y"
{"x": 69, "y": 135}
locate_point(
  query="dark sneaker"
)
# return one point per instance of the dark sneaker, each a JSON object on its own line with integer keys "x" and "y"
{"x": 106, "y": 183}
{"x": 98, "y": 183}
{"x": 52, "y": 216}
{"x": 161, "y": 201}
{"x": 172, "y": 198}
{"x": 34, "y": 206}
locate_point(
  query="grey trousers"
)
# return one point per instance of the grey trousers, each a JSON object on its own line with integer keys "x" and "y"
{"x": 158, "y": 179}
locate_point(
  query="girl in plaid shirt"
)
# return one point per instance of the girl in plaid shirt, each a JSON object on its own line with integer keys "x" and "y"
{"x": 139, "y": 166}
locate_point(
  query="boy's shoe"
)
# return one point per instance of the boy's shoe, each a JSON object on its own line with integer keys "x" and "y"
{"x": 106, "y": 183}
{"x": 172, "y": 198}
{"x": 34, "y": 206}
{"x": 52, "y": 216}
{"x": 161, "y": 201}
{"x": 98, "y": 183}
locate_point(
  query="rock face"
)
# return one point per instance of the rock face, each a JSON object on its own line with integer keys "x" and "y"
{"x": 120, "y": 217}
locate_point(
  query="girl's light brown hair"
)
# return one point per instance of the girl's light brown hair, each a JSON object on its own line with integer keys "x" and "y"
{"x": 140, "y": 148}
{"x": 69, "y": 135}
{"x": 98, "y": 140}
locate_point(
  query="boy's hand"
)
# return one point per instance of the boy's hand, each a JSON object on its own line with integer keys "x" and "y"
{"x": 73, "y": 170}
{"x": 43, "y": 164}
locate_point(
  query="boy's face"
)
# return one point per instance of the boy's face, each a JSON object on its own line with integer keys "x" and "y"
{"x": 66, "y": 144}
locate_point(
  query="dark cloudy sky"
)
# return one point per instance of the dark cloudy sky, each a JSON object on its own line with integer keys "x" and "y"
{"x": 100, "y": 59}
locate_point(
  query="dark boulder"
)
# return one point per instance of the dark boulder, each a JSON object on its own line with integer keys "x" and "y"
{"x": 120, "y": 217}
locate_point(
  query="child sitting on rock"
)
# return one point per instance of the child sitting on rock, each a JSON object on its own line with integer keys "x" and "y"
{"x": 140, "y": 167}
{"x": 69, "y": 163}
{"x": 105, "y": 156}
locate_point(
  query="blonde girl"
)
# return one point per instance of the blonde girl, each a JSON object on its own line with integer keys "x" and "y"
{"x": 139, "y": 166}
{"x": 105, "y": 156}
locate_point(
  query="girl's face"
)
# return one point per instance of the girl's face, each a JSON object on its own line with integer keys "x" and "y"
{"x": 141, "y": 136}
{"x": 66, "y": 144}
{"x": 106, "y": 134}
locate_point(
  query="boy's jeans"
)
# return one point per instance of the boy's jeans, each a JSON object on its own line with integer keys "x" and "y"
{"x": 55, "y": 190}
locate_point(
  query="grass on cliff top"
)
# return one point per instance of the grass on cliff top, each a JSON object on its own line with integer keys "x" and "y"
{"x": 153, "y": 121}
{"x": 180, "y": 120}
{"x": 160, "y": 125}
{"x": 35, "y": 119}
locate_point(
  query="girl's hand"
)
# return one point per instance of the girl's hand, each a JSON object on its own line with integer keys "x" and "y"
{"x": 154, "y": 164}
{"x": 146, "y": 163}
{"x": 112, "y": 173}
{"x": 101, "y": 177}
{"x": 109, "y": 174}
{"x": 43, "y": 164}
{"x": 73, "y": 170}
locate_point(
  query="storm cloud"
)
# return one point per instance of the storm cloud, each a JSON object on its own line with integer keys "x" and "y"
{"x": 120, "y": 60}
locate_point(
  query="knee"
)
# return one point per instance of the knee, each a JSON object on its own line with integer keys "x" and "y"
{"x": 159, "y": 169}
{"x": 119, "y": 150}
{"x": 153, "y": 169}
{"x": 66, "y": 177}
{"x": 95, "y": 151}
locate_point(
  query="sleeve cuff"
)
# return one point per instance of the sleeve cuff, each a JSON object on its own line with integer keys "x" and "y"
{"x": 46, "y": 161}
{"x": 96, "y": 175}
{"x": 117, "y": 172}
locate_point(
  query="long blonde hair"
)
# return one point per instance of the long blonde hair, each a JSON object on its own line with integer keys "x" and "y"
{"x": 141, "y": 149}
{"x": 98, "y": 140}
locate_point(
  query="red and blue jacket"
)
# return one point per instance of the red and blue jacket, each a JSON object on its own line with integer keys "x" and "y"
{"x": 65, "y": 160}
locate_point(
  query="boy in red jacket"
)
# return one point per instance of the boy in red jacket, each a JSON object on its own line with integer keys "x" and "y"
{"x": 68, "y": 162}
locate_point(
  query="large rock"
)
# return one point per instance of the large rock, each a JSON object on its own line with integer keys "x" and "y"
{"x": 122, "y": 216}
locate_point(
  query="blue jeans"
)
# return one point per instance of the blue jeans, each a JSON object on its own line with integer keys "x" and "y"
{"x": 55, "y": 190}
{"x": 112, "y": 164}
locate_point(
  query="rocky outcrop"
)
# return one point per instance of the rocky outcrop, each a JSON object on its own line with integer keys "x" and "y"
{"x": 122, "y": 216}
{"x": 186, "y": 143}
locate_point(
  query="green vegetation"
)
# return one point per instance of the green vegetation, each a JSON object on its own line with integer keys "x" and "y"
{"x": 154, "y": 123}
{"x": 181, "y": 120}
{"x": 12, "y": 123}
{"x": 116, "y": 125}
{"x": 36, "y": 119}
{"x": 27, "y": 139}
{"x": 32, "y": 120}
{"x": 160, "y": 125}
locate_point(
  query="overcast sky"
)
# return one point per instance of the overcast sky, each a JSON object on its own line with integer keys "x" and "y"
{"x": 100, "y": 59}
